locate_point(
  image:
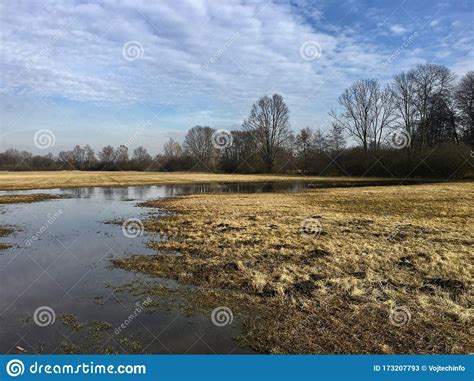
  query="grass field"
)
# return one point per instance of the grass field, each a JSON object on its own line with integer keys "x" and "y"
{"x": 352, "y": 270}
{"x": 71, "y": 179}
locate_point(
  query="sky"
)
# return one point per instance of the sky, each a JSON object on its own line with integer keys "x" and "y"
{"x": 141, "y": 72}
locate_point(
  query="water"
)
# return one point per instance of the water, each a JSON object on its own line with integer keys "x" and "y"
{"x": 67, "y": 268}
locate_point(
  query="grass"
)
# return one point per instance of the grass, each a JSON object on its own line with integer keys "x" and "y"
{"x": 25, "y": 198}
{"x": 386, "y": 272}
{"x": 93, "y": 337}
{"x": 4, "y": 231}
{"x": 71, "y": 179}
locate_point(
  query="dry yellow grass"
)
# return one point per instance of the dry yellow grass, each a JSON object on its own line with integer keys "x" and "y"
{"x": 71, "y": 179}
{"x": 25, "y": 198}
{"x": 385, "y": 256}
{"x": 4, "y": 231}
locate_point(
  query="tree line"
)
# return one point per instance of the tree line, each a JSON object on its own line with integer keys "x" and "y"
{"x": 419, "y": 124}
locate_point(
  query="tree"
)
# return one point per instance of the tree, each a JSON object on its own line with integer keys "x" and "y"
{"x": 431, "y": 81}
{"x": 67, "y": 158}
{"x": 335, "y": 139}
{"x": 172, "y": 149}
{"x": 464, "y": 99}
{"x": 141, "y": 158}
{"x": 78, "y": 157}
{"x": 89, "y": 156}
{"x": 319, "y": 141}
{"x": 304, "y": 143}
{"x": 106, "y": 155}
{"x": 269, "y": 126}
{"x": 403, "y": 91}
{"x": 441, "y": 121}
{"x": 239, "y": 155}
{"x": 383, "y": 114}
{"x": 198, "y": 144}
{"x": 367, "y": 112}
{"x": 121, "y": 156}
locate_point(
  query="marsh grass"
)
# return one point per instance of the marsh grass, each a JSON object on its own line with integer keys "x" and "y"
{"x": 25, "y": 198}
{"x": 94, "y": 337}
{"x": 4, "y": 231}
{"x": 379, "y": 248}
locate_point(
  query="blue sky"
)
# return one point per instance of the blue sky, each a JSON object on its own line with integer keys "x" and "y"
{"x": 69, "y": 66}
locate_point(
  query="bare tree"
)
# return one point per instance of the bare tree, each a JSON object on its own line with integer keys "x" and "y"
{"x": 269, "y": 126}
{"x": 198, "y": 144}
{"x": 66, "y": 158}
{"x": 172, "y": 149}
{"x": 106, "y": 155}
{"x": 319, "y": 141}
{"x": 383, "y": 114}
{"x": 141, "y": 158}
{"x": 304, "y": 143}
{"x": 78, "y": 157}
{"x": 121, "y": 156}
{"x": 240, "y": 154}
{"x": 464, "y": 98}
{"x": 89, "y": 156}
{"x": 431, "y": 81}
{"x": 441, "y": 120}
{"x": 403, "y": 90}
{"x": 367, "y": 112}
{"x": 335, "y": 139}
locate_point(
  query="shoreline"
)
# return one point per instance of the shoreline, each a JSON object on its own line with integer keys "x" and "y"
{"x": 11, "y": 181}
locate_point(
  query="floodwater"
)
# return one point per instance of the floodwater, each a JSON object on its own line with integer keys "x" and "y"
{"x": 60, "y": 259}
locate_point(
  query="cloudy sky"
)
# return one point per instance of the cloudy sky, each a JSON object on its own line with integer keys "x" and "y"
{"x": 139, "y": 72}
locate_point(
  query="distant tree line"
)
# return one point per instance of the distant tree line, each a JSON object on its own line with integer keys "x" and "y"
{"x": 420, "y": 124}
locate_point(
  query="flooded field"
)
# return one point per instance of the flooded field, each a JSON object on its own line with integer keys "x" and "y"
{"x": 95, "y": 270}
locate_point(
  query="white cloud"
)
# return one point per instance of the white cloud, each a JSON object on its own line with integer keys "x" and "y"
{"x": 398, "y": 29}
